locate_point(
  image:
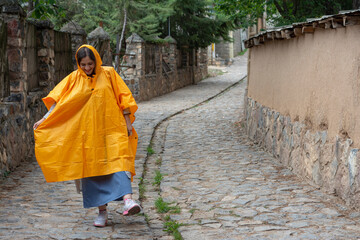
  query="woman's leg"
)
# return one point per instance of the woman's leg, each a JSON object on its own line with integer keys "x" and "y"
{"x": 101, "y": 219}
{"x": 127, "y": 196}
{"x": 102, "y": 208}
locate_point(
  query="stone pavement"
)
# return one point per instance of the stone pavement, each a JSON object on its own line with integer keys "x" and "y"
{"x": 225, "y": 186}
{"x": 228, "y": 188}
{"x": 30, "y": 208}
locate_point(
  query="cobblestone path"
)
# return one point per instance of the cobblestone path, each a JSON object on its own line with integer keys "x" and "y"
{"x": 225, "y": 186}
{"x": 228, "y": 188}
{"x": 30, "y": 208}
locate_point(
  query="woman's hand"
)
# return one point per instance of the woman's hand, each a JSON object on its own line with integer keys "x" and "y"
{"x": 128, "y": 124}
{"x": 38, "y": 123}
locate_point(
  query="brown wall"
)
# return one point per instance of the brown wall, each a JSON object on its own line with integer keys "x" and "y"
{"x": 303, "y": 106}
{"x": 314, "y": 78}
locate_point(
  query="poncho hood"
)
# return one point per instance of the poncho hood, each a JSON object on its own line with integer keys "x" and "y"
{"x": 98, "y": 61}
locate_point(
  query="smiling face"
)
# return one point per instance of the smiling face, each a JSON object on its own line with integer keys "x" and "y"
{"x": 87, "y": 65}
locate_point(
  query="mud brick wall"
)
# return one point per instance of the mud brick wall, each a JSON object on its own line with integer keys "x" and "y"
{"x": 303, "y": 101}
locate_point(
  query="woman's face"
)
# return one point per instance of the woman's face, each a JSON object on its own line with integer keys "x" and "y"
{"x": 87, "y": 65}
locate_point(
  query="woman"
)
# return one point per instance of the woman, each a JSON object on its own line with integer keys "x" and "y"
{"x": 87, "y": 134}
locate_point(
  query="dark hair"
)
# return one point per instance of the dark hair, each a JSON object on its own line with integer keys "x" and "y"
{"x": 85, "y": 52}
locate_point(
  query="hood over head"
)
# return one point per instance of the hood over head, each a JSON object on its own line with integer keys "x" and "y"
{"x": 98, "y": 61}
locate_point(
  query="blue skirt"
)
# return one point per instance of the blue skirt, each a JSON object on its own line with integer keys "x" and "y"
{"x": 100, "y": 190}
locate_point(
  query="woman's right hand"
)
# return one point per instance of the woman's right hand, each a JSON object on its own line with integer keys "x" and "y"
{"x": 38, "y": 123}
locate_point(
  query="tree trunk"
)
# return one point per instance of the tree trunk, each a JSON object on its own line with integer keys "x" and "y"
{"x": 117, "y": 52}
{"x": 118, "y": 47}
{"x": 193, "y": 66}
{"x": 30, "y": 8}
{"x": 356, "y": 4}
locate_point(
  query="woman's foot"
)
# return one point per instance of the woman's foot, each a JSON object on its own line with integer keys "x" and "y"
{"x": 101, "y": 219}
{"x": 131, "y": 207}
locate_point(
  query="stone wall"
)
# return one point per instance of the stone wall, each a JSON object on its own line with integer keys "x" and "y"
{"x": 12, "y": 108}
{"x": 332, "y": 165}
{"x": 239, "y": 36}
{"x": 33, "y": 58}
{"x": 4, "y": 81}
{"x": 225, "y": 51}
{"x": 222, "y": 50}
{"x": 152, "y": 70}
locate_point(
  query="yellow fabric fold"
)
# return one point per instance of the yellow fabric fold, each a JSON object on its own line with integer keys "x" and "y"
{"x": 86, "y": 134}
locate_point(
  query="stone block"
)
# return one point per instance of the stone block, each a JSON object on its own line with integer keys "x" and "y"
{"x": 24, "y": 65}
{"x": 19, "y": 120}
{"x": 51, "y": 53}
{"x": 44, "y": 60}
{"x": 14, "y": 60}
{"x": 48, "y": 38}
{"x": 14, "y": 97}
{"x": 44, "y": 67}
{"x": 43, "y": 83}
{"x": 316, "y": 175}
{"x": 42, "y": 52}
{"x": 44, "y": 76}
{"x": 13, "y": 28}
{"x": 14, "y": 42}
{"x": 17, "y": 86}
{"x": 352, "y": 165}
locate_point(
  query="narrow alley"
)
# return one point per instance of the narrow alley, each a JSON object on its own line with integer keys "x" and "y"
{"x": 224, "y": 186}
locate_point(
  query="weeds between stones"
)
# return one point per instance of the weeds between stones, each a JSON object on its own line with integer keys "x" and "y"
{"x": 6, "y": 174}
{"x": 149, "y": 150}
{"x": 172, "y": 227}
{"x": 158, "y": 161}
{"x": 192, "y": 210}
{"x": 157, "y": 179}
{"x": 164, "y": 207}
{"x": 242, "y": 52}
{"x": 142, "y": 189}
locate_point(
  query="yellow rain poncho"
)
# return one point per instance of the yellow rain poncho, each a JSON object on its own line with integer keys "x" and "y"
{"x": 86, "y": 134}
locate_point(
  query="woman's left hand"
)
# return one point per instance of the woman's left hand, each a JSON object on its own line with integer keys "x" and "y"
{"x": 128, "y": 124}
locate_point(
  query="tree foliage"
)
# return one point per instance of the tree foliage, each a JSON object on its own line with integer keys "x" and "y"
{"x": 42, "y": 9}
{"x": 147, "y": 18}
{"x": 193, "y": 23}
{"x": 279, "y": 12}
